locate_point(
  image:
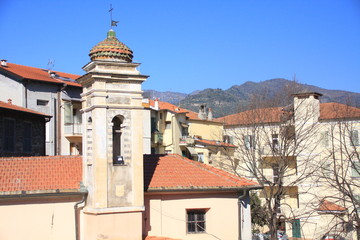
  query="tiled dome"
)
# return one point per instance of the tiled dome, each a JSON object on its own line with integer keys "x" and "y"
{"x": 111, "y": 49}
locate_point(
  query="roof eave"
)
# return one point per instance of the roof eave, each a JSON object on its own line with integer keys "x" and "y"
{"x": 210, "y": 189}
{"x": 45, "y": 193}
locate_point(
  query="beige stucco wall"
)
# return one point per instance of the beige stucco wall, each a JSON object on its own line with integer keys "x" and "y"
{"x": 112, "y": 225}
{"x": 206, "y": 129}
{"x": 165, "y": 215}
{"x": 37, "y": 221}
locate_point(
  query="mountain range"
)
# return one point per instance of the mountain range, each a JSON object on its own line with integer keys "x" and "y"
{"x": 237, "y": 97}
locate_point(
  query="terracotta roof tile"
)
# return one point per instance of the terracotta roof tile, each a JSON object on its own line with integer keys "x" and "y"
{"x": 40, "y": 173}
{"x": 171, "y": 107}
{"x": 39, "y": 74}
{"x": 173, "y": 172}
{"x": 18, "y": 108}
{"x": 273, "y": 115}
{"x": 338, "y": 111}
{"x": 330, "y": 206}
{"x": 262, "y": 115}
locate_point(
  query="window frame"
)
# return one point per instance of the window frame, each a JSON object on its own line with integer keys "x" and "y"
{"x": 354, "y": 138}
{"x": 355, "y": 169}
{"x": 249, "y": 142}
{"x": 199, "y": 217}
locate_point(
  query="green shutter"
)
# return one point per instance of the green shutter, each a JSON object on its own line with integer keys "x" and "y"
{"x": 296, "y": 233}
{"x": 354, "y": 135}
{"x": 355, "y": 169}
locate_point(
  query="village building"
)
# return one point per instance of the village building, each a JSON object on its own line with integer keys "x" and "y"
{"x": 194, "y": 135}
{"x": 113, "y": 191}
{"x": 302, "y": 150}
{"x": 53, "y": 93}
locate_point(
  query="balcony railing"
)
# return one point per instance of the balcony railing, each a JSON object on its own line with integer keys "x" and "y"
{"x": 157, "y": 137}
{"x": 73, "y": 128}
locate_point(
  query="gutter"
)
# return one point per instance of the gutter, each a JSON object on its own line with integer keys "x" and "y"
{"x": 243, "y": 194}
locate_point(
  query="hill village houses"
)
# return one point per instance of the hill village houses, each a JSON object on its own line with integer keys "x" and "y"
{"x": 87, "y": 157}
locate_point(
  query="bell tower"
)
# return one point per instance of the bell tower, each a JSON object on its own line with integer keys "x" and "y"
{"x": 112, "y": 143}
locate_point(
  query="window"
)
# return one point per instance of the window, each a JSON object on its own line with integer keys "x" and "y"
{"x": 275, "y": 168}
{"x": 228, "y": 139}
{"x": 354, "y": 138}
{"x": 167, "y": 125}
{"x": 196, "y": 221}
{"x": 201, "y": 157}
{"x": 327, "y": 169}
{"x": 296, "y": 228}
{"x": 325, "y": 138}
{"x": 9, "y": 135}
{"x": 117, "y": 141}
{"x": 355, "y": 169}
{"x": 40, "y": 102}
{"x": 27, "y": 137}
{"x": 153, "y": 124}
{"x": 249, "y": 142}
{"x": 275, "y": 142}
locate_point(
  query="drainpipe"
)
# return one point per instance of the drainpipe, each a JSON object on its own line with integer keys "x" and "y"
{"x": 58, "y": 119}
{"x": 241, "y": 196}
{"x": 76, "y": 207}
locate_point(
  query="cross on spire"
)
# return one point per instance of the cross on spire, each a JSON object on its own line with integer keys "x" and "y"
{"x": 113, "y": 22}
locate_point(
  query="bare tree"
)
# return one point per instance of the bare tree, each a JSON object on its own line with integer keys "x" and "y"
{"x": 340, "y": 167}
{"x": 275, "y": 146}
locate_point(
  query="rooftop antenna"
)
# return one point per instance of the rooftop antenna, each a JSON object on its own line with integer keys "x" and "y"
{"x": 113, "y": 22}
{"x": 51, "y": 64}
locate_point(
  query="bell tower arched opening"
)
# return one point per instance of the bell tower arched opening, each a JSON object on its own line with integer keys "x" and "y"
{"x": 117, "y": 122}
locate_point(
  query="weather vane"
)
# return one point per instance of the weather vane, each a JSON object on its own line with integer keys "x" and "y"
{"x": 113, "y": 23}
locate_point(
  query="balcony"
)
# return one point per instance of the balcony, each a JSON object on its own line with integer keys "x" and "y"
{"x": 186, "y": 140}
{"x": 157, "y": 138}
{"x": 72, "y": 129}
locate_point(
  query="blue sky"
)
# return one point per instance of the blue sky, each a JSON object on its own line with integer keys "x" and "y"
{"x": 191, "y": 45}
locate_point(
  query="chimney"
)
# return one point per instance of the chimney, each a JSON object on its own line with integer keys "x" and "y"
{"x": 4, "y": 63}
{"x": 9, "y": 101}
{"x": 210, "y": 115}
{"x": 156, "y": 102}
{"x": 307, "y": 106}
{"x": 202, "y": 112}
{"x": 52, "y": 74}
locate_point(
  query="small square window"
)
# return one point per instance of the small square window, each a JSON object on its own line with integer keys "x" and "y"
{"x": 196, "y": 221}
{"x": 40, "y": 102}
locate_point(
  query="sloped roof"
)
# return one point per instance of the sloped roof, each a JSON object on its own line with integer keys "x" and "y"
{"x": 273, "y": 115}
{"x": 40, "y": 174}
{"x": 175, "y": 109}
{"x": 175, "y": 173}
{"x": 338, "y": 111}
{"x": 262, "y": 115}
{"x": 38, "y": 74}
{"x": 169, "y": 107}
{"x": 214, "y": 143}
{"x": 330, "y": 207}
{"x": 21, "y": 109}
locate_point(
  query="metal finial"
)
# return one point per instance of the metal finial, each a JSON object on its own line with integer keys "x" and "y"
{"x": 113, "y": 22}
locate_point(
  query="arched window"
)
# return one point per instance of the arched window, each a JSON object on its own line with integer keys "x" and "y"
{"x": 116, "y": 134}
